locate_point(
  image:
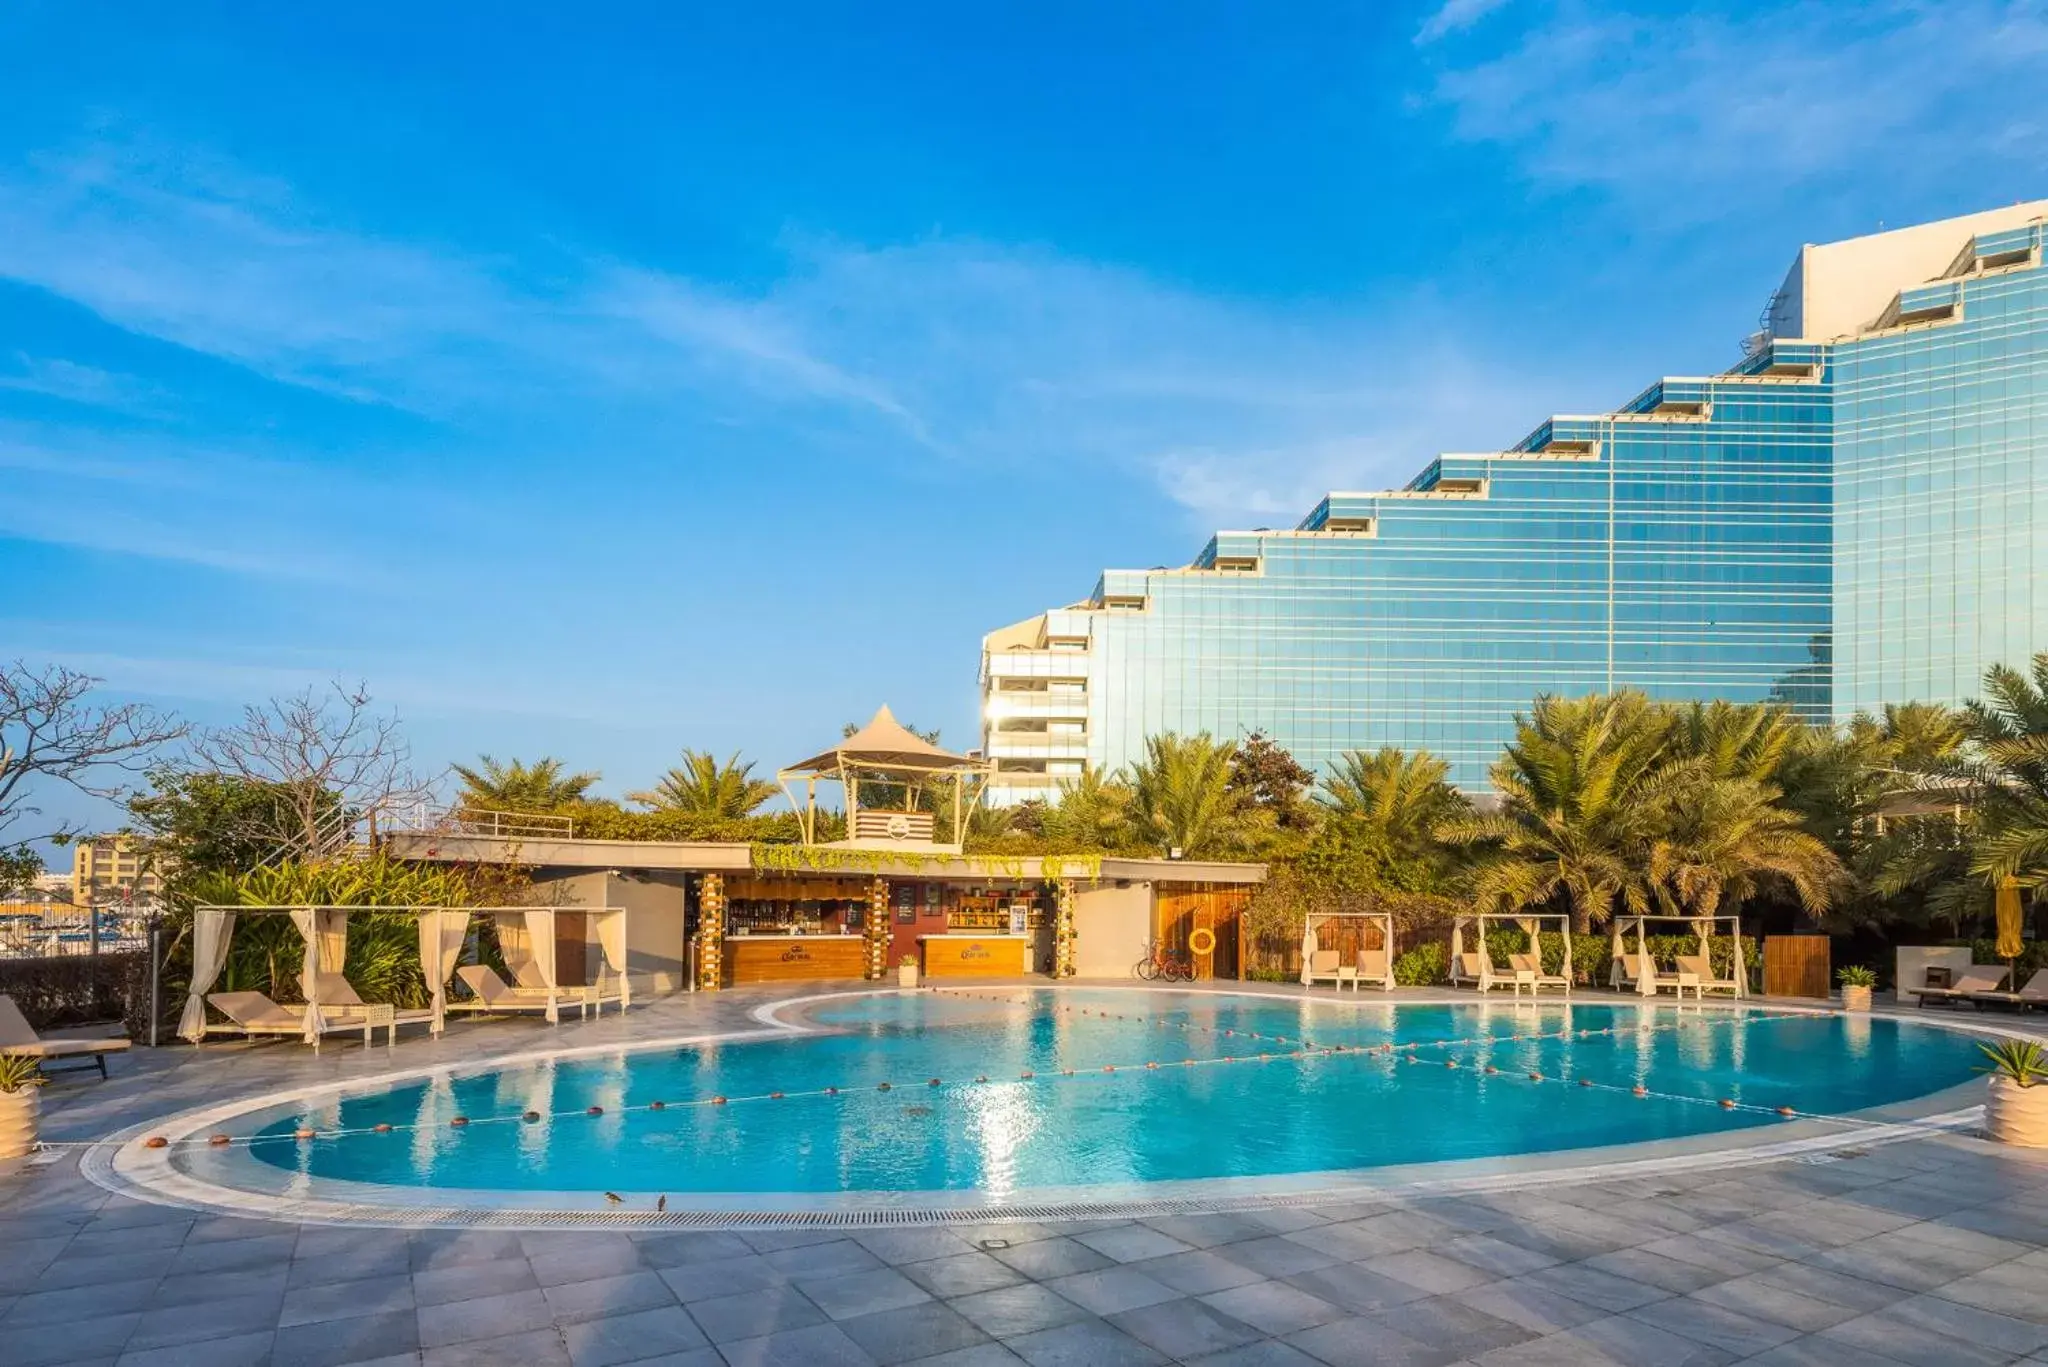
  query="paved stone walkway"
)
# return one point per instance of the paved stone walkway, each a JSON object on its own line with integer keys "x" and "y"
{"x": 1933, "y": 1251}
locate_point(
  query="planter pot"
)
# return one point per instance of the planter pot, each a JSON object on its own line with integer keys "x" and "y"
{"x": 906, "y": 975}
{"x": 18, "y": 1111}
{"x": 1856, "y": 998}
{"x": 2017, "y": 1115}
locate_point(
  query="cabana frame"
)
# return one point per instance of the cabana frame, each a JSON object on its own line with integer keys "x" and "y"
{"x": 1475, "y": 964}
{"x": 1365, "y": 966}
{"x": 1635, "y": 971}
{"x": 443, "y": 934}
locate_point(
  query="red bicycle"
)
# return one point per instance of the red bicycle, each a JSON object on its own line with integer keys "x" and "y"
{"x": 1162, "y": 966}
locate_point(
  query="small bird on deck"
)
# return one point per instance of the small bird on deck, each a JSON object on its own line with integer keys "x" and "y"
{"x": 612, "y": 1198}
{"x": 661, "y": 1203}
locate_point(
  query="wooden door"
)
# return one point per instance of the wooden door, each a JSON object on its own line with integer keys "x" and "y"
{"x": 1796, "y": 966}
{"x": 1180, "y": 911}
{"x": 572, "y": 936}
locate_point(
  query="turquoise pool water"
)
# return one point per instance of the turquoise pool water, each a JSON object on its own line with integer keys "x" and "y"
{"x": 1294, "y": 1113}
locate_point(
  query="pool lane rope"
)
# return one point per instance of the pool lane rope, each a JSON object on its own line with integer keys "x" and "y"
{"x": 1388, "y": 1053}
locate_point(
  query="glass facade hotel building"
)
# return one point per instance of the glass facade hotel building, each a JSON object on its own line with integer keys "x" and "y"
{"x": 1855, "y": 514}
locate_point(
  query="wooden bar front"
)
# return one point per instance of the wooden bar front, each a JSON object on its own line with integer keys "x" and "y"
{"x": 793, "y": 958}
{"x": 975, "y": 956}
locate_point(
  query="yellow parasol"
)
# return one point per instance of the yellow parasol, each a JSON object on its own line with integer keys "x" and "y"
{"x": 2009, "y": 918}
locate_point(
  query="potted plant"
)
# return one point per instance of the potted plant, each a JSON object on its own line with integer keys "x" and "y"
{"x": 906, "y": 971}
{"x": 2016, "y": 1111}
{"x": 1857, "y": 982}
{"x": 20, "y": 1075}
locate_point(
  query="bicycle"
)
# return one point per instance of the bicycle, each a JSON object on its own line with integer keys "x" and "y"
{"x": 1159, "y": 965}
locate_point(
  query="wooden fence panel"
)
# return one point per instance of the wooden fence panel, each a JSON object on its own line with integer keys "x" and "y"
{"x": 1796, "y": 966}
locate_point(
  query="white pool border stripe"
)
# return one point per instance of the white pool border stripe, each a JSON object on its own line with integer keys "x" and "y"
{"x": 121, "y": 1164}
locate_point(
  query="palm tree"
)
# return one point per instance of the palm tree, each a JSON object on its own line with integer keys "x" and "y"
{"x": 1181, "y": 798}
{"x": 1399, "y": 799}
{"x": 1573, "y": 823}
{"x": 2008, "y": 774}
{"x": 516, "y": 786}
{"x": 1751, "y": 741}
{"x": 702, "y": 786}
{"x": 1719, "y": 841}
{"x": 1093, "y": 812}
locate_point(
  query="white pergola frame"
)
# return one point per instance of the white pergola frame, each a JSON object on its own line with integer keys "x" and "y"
{"x": 1485, "y": 975}
{"x": 213, "y": 932}
{"x": 1648, "y": 981}
{"x": 1310, "y": 946}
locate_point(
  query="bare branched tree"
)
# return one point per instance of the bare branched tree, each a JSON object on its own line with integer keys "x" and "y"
{"x": 52, "y": 733}
{"x": 329, "y": 757}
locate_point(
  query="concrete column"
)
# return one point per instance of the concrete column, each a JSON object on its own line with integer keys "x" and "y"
{"x": 711, "y": 933}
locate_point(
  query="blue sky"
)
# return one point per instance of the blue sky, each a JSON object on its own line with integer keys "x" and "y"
{"x": 600, "y": 381}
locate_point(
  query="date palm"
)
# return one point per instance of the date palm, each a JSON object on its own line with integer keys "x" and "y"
{"x": 1395, "y": 797}
{"x": 702, "y": 786}
{"x": 1181, "y": 798}
{"x": 1093, "y": 813}
{"x": 1573, "y": 824}
{"x": 1719, "y": 841}
{"x": 516, "y": 786}
{"x": 2007, "y": 771}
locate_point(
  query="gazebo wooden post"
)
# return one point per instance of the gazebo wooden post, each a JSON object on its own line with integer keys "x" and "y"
{"x": 1063, "y": 929}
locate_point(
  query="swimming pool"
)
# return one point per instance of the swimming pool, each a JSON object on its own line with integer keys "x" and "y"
{"x": 1083, "y": 1090}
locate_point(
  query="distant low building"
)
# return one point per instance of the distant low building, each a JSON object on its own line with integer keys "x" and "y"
{"x": 110, "y": 869}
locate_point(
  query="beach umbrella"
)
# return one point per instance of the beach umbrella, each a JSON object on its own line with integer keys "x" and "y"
{"x": 2009, "y": 918}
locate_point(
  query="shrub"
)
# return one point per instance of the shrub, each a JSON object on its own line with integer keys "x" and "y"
{"x": 1856, "y": 975}
{"x": 77, "y": 989}
{"x": 1424, "y": 965}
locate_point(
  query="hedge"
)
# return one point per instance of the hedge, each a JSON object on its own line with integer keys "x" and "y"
{"x": 81, "y": 989}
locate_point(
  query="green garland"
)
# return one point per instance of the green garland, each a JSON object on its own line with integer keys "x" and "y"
{"x": 875, "y": 863}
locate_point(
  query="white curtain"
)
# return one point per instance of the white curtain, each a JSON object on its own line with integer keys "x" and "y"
{"x": 308, "y": 922}
{"x": 515, "y": 939}
{"x": 611, "y": 937}
{"x": 1308, "y": 952}
{"x": 442, "y": 934}
{"x": 540, "y": 943}
{"x": 211, "y": 931}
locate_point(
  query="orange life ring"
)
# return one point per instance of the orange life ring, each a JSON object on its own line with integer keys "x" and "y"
{"x": 1202, "y": 941}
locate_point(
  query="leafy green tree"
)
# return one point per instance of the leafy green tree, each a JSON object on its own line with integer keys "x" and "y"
{"x": 1181, "y": 798}
{"x": 516, "y": 786}
{"x": 1271, "y": 780}
{"x": 703, "y": 786}
{"x": 1573, "y": 819}
{"x": 198, "y": 823}
{"x": 2007, "y": 769}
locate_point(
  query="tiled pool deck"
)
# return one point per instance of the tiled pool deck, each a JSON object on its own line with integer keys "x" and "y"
{"x": 1929, "y": 1251}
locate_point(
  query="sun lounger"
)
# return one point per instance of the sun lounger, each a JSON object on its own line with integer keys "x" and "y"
{"x": 254, "y": 1014}
{"x": 1971, "y": 982}
{"x": 1375, "y": 966}
{"x": 1531, "y": 964}
{"x": 2034, "y": 994}
{"x": 1322, "y": 966}
{"x": 17, "y": 1036}
{"x": 496, "y": 996}
{"x": 339, "y": 1002}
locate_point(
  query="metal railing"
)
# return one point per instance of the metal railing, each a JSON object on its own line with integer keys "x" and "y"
{"x": 51, "y": 932}
{"x": 461, "y": 820}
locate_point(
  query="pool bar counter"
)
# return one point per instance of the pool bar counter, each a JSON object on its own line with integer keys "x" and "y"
{"x": 971, "y": 954}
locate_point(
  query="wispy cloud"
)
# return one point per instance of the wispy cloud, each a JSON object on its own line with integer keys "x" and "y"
{"x": 1673, "y": 111}
{"x": 1454, "y": 16}
{"x": 56, "y": 378}
{"x": 976, "y": 353}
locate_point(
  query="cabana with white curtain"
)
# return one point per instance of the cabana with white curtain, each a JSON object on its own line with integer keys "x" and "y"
{"x": 529, "y": 940}
{"x": 1634, "y": 970}
{"x": 331, "y": 1006}
{"x": 1472, "y": 962}
{"x": 1334, "y": 949}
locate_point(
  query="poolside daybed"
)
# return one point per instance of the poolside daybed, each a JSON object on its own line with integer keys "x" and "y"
{"x": 1349, "y": 961}
{"x": 253, "y": 1014}
{"x": 1634, "y": 970}
{"x": 2033, "y": 994}
{"x": 17, "y": 1036}
{"x": 1975, "y": 981}
{"x": 1472, "y": 961}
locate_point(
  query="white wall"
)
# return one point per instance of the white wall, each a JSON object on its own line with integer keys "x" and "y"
{"x": 1112, "y": 930}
